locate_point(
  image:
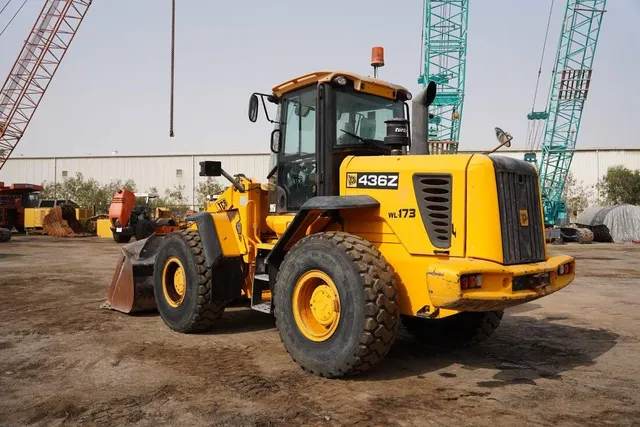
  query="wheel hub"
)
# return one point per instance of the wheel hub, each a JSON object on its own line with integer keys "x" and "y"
{"x": 316, "y": 305}
{"x": 178, "y": 281}
{"x": 174, "y": 282}
{"x": 323, "y": 305}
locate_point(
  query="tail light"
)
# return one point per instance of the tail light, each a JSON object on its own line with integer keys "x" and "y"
{"x": 471, "y": 281}
{"x": 564, "y": 269}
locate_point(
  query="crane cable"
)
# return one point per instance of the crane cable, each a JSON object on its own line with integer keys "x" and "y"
{"x": 173, "y": 61}
{"x": 534, "y": 134}
{"x": 422, "y": 47}
{"x": 13, "y": 17}
{"x": 5, "y": 6}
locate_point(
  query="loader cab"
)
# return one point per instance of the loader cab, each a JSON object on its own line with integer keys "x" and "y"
{"x": 323, "y": 118}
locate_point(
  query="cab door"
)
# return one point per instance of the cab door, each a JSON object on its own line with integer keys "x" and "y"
{"x": 297, "y": 163}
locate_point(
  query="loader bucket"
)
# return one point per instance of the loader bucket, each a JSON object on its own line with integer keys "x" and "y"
{"x": 131, "y": 289}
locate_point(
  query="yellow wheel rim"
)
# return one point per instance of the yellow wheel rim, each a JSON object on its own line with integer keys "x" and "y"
{"x": 174, "y": 282}
{"x": 316, "y": 305}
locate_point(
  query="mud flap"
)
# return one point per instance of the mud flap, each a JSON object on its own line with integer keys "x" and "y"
{"x": 131, "y": 288}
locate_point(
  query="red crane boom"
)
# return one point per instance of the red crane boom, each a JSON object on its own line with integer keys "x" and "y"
{"x": 35, "y": 67}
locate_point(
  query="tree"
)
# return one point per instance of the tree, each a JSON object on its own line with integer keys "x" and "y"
{"x": 85, "y": 192}
{"x": 50, "y": 190}
{"x": 173, "y": 199}
{"x": 207, "y": 188}
{"x": 577, "y": 197}
{"x": 621, "y": 185}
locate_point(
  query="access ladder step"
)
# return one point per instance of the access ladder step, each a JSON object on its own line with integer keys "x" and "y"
{"x": 264, "y": 307}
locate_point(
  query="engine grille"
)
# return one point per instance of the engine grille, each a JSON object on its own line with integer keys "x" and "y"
{"x": 433, "y": 193}
{"x": 520, "y": 218}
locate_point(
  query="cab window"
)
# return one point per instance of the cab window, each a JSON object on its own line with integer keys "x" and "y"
{"x": 363, "y": 115}
{"x": 300, "y": 123}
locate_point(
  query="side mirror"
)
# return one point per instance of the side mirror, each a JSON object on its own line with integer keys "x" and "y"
{"x": 210, "y": 168}
{"x": 503, "y": 137}
{"x": 253, "y": 108}
{"x": 275, "y": 141}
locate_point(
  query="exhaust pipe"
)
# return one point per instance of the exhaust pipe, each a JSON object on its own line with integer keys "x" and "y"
{"x": 420, "y": 119}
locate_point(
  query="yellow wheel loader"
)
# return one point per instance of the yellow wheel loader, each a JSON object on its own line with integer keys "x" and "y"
{"x": 356, "y": 230}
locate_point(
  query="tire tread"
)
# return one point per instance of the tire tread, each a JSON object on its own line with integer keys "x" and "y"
{"x": 382, "y": 309}
{"x": 207, "y": 312}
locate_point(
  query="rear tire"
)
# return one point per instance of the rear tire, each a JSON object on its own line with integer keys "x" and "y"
{"x": 187, "y": 306}
{"x": 458, "y": 331}
{"x": 366, "y": 304}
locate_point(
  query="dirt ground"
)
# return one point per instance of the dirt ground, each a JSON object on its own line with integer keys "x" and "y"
{"x": 572, "y": 358}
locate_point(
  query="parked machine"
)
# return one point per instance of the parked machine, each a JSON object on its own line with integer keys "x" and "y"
{"x": 14, "y": 199}
{"x": 130, "y": 218}
{"x": 353, "y": 233}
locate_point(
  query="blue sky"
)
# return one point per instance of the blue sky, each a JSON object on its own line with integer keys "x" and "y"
{"x": 111, "y": 92}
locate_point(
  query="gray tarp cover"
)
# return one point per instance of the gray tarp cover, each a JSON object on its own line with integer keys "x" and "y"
{"x": 623, "y": 221}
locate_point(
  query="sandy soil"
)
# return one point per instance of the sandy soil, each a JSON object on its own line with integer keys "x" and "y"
{"x": 572, "y": 358}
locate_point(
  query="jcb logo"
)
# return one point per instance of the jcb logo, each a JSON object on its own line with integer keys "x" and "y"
{"x": 352, "y": 180}
{"x": 524, "y": 218}
{"x": 222, "y": 204}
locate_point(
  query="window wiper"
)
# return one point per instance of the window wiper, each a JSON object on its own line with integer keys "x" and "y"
{"x": 371, "y": 142}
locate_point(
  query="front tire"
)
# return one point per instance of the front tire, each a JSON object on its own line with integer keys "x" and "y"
{"x": 461, "y": 330}
{"x": 336, "y": 304}
{"x": 182, "y": 284}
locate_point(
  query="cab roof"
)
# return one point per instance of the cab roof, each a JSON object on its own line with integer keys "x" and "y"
{"x": 360, "y": 83}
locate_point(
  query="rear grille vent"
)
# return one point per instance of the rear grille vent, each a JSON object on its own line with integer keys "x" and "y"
{"x": 433, "y": 193}
{"x": 520, "y": 218}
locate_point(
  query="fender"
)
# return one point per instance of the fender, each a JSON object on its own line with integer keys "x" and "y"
{"x": 208, "y": 236}
{"x": 311, "y": 210}
{"x": 228, "y": 272}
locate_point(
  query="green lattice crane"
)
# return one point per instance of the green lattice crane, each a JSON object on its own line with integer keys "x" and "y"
{"x": 565, "y": 103}
{"x": 443, "y": 61}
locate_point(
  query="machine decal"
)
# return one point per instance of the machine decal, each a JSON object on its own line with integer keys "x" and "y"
{"x": 403, "y": 213}
{"x": 524, "y": 218}
{"x": 222, "y": 204}
{"x": 383, "y": 181}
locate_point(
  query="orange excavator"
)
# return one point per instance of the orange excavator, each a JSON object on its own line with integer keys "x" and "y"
{"x": 130, "y": 219}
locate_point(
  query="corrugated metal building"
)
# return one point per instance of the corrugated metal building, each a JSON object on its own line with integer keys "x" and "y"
{"x": 159, "y": 171}
{"x": 167, "y": 171}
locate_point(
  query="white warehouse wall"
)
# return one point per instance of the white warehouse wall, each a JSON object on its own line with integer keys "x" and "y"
{"x": 159, "y": 171}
